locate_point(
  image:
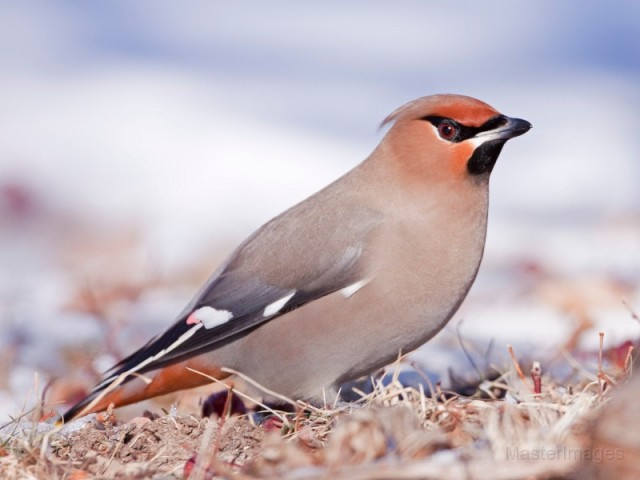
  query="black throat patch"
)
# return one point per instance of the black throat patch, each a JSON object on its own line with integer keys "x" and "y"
{"x": 485, "y": 157}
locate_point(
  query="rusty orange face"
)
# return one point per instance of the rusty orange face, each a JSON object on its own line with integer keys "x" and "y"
{"x": 450, "y": 137}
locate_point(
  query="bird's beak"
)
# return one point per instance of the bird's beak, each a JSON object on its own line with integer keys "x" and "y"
{"x": 507, "y": 128}
{"x": 514, "y": 127}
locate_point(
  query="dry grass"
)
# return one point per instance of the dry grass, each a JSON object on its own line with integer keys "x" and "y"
{"x": 517, "y": 431}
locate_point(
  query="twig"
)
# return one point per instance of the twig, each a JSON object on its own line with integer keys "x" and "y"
{"x": 628, "y": 361}
{"x": 244, "y": 395}
{"x": 634, "y": 315}
{"x": 517, "y": 366}
{"x": 260, "y": 386}
{"x": 536, "y": 376}
{"x": 466, "y": 352}
{"x": 601, "y": 376}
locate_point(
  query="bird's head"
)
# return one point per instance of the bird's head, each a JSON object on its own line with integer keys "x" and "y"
{"x": 448, "y": 137}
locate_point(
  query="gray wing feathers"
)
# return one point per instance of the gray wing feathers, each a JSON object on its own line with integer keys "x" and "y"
{"x": 302, "y": 255}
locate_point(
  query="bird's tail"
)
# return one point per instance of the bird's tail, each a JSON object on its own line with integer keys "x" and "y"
{"x": 127, "y": 388}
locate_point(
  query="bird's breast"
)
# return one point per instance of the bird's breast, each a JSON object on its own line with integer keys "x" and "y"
{"x": 425, "y": 263}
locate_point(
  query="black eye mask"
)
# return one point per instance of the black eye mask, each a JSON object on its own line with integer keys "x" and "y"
{"x": 462, "y": 131}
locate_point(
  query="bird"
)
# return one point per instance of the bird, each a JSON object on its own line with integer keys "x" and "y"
{"x": 337, "y": 286}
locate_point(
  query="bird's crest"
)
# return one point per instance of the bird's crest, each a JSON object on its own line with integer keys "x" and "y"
{"x": 466, "y": 110}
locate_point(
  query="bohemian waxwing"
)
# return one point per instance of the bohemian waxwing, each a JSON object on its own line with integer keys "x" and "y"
{"x": 334, "y": 288}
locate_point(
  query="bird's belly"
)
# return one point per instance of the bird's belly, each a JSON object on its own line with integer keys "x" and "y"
{"x": 334, "y": 339}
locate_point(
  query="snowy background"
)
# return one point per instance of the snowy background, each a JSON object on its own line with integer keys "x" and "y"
{"x": 141, "y": 141}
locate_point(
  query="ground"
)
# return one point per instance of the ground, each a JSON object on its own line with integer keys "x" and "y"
{"x": 514, "y": 427}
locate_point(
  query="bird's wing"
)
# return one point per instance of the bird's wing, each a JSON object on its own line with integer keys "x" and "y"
{"x": 295, "y": 259}
{"x": 235, "y": 306}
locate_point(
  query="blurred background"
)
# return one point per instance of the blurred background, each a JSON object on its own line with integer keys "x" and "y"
{"x": 140, "y": 142}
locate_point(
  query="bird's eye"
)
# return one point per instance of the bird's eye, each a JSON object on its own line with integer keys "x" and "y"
{"x": 447, "y": 131}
